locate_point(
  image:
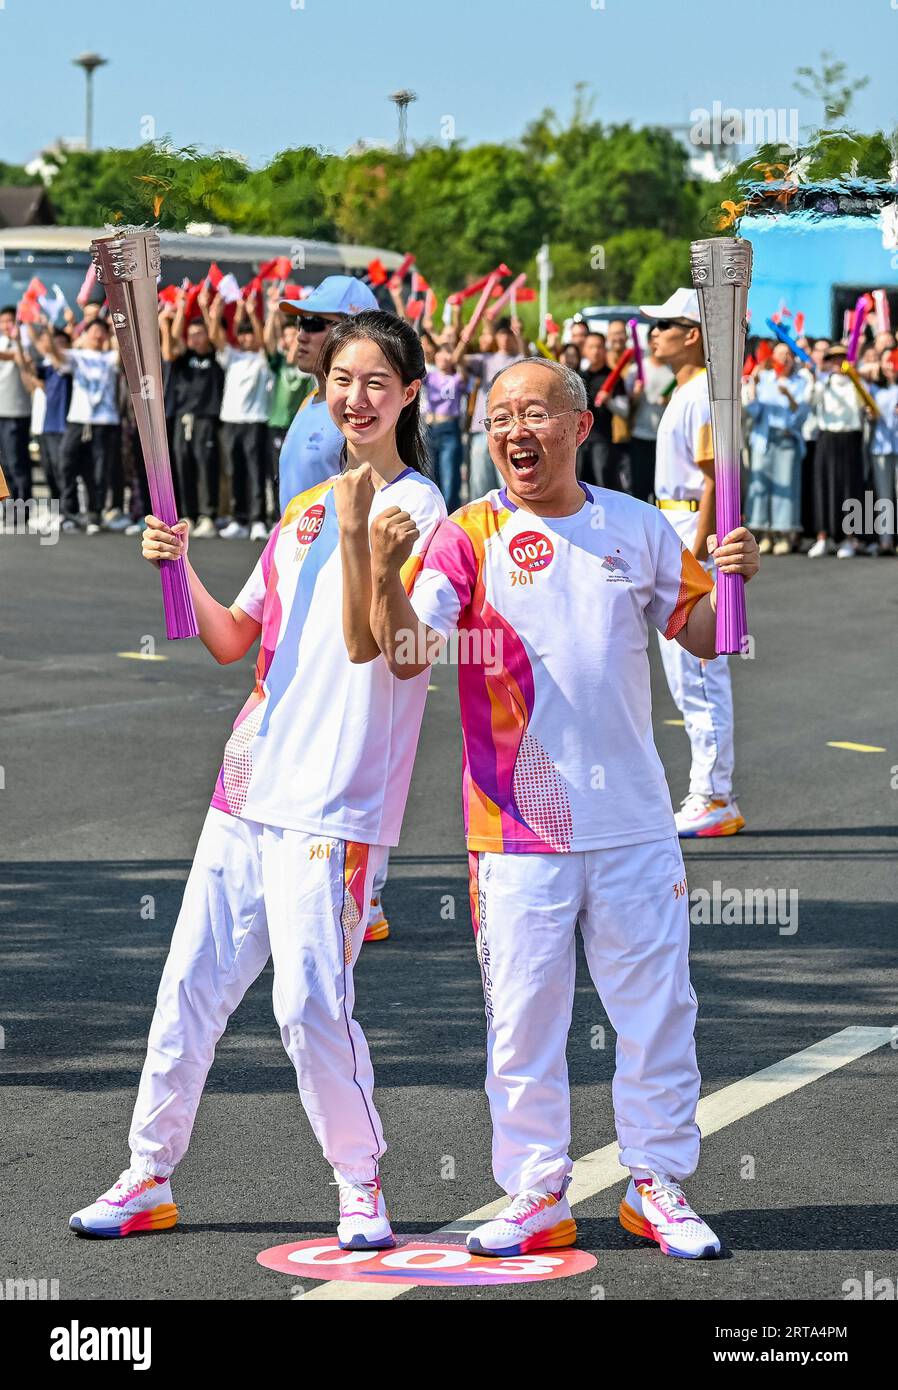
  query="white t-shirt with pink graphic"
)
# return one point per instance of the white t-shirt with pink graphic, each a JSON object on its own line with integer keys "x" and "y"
{"x": 553, "y": 615}
{"x": 323, "y": 745}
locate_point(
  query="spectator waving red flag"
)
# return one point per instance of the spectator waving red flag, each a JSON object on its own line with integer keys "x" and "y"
{"x": 90, "y": 280}
{"x": 277, "y": 269}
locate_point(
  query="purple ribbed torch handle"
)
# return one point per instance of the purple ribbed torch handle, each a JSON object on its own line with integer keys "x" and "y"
{"x": 127, "y": 265}
{"x": 721, "y": 274}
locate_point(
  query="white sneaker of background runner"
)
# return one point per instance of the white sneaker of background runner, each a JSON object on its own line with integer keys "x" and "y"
{"x": 135, "y": 1203}
{"x": 659, "y": 1211}
{"x": 364, "y": 1223}
{"x": 707, "y": 815}
{"x": 531, "y": 1221}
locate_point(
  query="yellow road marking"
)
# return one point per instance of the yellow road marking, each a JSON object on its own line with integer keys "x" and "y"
{"x": 433, "y": 687}
{"x": 680, "y": 723}
{"x": 858, "y": 747}
{"x": 142, "y": 656}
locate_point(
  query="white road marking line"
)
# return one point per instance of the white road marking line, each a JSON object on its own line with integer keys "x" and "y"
{"x": 600, "y": 1169}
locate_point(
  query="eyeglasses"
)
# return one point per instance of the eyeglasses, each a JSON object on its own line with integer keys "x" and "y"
{"x": 312, "y": 323}
{"x": 532, "y": 419}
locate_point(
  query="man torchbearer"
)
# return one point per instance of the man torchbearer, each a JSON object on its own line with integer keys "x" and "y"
{"x": 567, "y": 813}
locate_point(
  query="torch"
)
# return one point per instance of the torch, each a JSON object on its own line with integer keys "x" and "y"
{"x": 127, "y": 265}
{"x": 721, "y": 274}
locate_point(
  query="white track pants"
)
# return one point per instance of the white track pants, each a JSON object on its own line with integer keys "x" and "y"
{"x": 703, "y": 694}
{"x": 632, "y": 907}
{"x": 254, "y": 891}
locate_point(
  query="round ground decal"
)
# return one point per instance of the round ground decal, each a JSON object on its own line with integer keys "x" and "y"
{"x": 419, "y": 1260}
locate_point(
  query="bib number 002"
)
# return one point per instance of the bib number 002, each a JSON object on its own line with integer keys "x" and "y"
{"x": 532, "y": 551}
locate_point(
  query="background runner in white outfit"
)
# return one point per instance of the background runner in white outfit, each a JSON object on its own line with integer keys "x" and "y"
{"x": 684, "y": 490}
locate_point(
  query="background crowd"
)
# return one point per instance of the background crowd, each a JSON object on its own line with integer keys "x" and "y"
{"x": 236, "y": 377}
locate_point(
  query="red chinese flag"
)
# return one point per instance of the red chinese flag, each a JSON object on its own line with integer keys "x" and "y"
{"x": 399, "y": 275}
{"x": 292, "y": 291}
{"x": 524, "y": 295}
{"x": 414, "y": 308}
{"x": 254, "y": 290}
{"x": 798, "y": 323}
{"x": 377, "y": 272}
{"x": 169, "y": 295}
{"x": 35, "y": 288}
{"x": 764, "y": 351}
{"x": 213, "y": 276}
{"x": 191, "y": 307}
{"x": 277, "y": 269}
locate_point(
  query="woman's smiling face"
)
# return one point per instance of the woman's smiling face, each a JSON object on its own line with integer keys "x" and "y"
{"x": 365, "y": 394}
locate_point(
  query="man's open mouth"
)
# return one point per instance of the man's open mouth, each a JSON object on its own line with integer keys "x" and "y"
{"x": 523, "y": 461}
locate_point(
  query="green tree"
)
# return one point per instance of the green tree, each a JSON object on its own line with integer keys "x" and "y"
{"x": 623, "y": 180}
{"x": 15, "y": 175}
{"x": 151, "y": 183}
{"x": 286, "y": 198}
{"x": 662, "y": 271}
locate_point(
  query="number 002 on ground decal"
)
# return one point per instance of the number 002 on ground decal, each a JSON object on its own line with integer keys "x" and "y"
{"x": 417, "y": 1260}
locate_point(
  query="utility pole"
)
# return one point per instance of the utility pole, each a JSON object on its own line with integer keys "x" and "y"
{"x": 544, "y": 267}
{"x": 403, "y": 100}
{"x": 89, "y": 62}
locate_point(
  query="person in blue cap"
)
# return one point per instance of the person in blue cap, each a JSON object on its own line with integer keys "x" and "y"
{"x": 313, "y": 444}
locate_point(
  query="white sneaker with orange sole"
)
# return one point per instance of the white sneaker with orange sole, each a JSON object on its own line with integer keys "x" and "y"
{"x": 378, "y": 928}
{"x": 656, "y": 1209}
{"x": 132, "y": 1205}
{"x": 531, "y": 1221}
{"x": 708, "y": 815}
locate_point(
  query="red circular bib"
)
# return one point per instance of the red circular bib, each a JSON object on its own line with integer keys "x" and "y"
{"x": 532, "y": 551}
{"x": 309, "y": 524}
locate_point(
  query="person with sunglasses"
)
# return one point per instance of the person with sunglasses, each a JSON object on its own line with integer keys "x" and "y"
{"x": 567, "y": 812}
{"x": 684, "y": 491}
{"x": 313, "y": 445}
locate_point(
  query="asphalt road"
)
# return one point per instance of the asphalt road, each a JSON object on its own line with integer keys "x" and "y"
{"x": 108, "y": 763}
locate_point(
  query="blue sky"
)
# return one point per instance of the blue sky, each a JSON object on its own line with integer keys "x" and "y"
{"x": 257, "y": 75}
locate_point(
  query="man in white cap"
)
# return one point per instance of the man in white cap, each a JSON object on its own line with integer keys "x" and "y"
{"x": 684, "y": 490}
{"x": 313, "y": 445}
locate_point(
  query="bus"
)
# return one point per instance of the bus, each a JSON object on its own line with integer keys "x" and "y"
{"x": 61, "y": 255}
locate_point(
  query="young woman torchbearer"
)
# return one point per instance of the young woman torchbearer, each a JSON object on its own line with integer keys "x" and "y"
{"x": 310, "y": 794}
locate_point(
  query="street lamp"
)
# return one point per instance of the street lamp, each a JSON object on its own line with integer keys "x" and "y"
{"x": 403, "y": 100}
{"x": 89, "y": 61}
